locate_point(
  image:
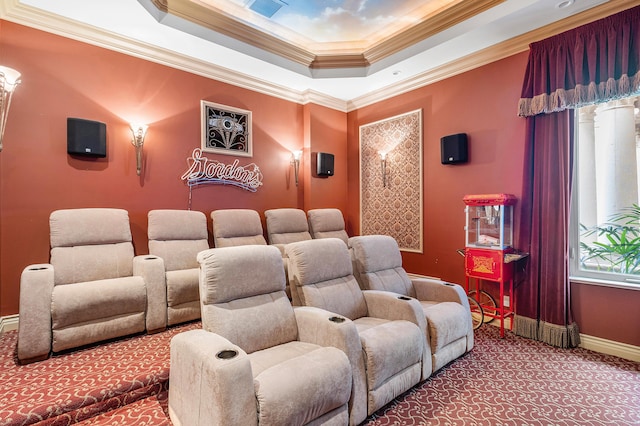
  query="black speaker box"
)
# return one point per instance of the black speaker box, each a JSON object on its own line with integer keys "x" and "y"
{"x": 324, "y": 164}
{"x": 453, "y": 149}
{"x": 86, "y": 137}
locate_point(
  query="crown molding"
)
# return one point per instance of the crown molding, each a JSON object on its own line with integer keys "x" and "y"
{"x": 317, "y": 55}
{"x": 314, "y": 97}
{"x": 214, "y": 20}
{"x": 440, "y": 21}
{"x": 490, "y": 54}
{"x": 12, "y": 10}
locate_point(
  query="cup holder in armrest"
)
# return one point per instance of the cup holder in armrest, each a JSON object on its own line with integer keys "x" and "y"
{"x": 151, "y": 258}
{"x": 449, "y": 284}
{"x": 337, "y": 320}
{"x": 38, "y": 268}
{"x": 404, "y": 298}
{"x": 227, "y": 354}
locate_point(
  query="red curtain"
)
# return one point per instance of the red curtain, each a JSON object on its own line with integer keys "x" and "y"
{"x": 543, "y": 300}
{"x": 593, "y": 63}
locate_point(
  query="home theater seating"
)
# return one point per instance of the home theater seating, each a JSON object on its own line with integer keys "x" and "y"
{"x": 306, "y": 326}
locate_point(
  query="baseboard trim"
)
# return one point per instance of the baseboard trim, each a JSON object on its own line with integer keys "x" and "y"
{"x": 8, "y": 323}
{"x": 609, "y": 347}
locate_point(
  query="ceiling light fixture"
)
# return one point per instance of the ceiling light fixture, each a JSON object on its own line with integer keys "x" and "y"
{"x": 564, "y": 4}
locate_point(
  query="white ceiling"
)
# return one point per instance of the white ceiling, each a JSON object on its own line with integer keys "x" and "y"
{"x": 133, "y": 27}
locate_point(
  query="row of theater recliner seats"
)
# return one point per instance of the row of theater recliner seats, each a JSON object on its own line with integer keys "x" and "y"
{"x": 365, "y": 334}
{"x": 95, "y": 289}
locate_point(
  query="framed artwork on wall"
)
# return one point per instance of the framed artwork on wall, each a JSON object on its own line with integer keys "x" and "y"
{"x": 391, "y": 179}
{"x": 226, "y": 130}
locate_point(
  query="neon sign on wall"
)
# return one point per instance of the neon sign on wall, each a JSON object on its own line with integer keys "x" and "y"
{"x": 203, "y": 170}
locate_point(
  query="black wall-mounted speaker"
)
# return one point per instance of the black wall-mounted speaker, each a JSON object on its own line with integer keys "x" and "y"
{"x": 453, "y": 149}
{"x": 86, "y": 137}
{"x": 324, "y": 164}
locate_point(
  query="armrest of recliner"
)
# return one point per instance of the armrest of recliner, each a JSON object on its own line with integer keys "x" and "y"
{"x": 151, "y": 269}
{"x": 34, "y": 325}
{"x": 211, "y": 381}
{"x": 393, "y": 306}
{"x": 439, "y": 291}
{"x": 325, "y": 328}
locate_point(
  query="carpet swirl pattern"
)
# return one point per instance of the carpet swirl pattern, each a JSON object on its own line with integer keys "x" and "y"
{"x": 517, "y": 381}
{"x": 511, "y": 381}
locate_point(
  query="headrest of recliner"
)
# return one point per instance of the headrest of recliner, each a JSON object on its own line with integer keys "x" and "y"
{"x": 231, "y": 273}
{"x": 315, "y": 261}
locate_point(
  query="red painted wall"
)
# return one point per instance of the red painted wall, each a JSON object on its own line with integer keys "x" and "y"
{"x": 325, "y": 132}
{"x": 63, "y": 78}
{"x": 481, "y": 103}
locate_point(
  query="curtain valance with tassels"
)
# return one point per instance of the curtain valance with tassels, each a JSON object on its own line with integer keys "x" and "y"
{"x": 593, "y": 63}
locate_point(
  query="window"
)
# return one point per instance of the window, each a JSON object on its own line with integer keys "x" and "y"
{"x": 605, "y": 225}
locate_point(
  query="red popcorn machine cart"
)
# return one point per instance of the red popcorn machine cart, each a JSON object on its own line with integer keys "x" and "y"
{"x": 489, "y": 255}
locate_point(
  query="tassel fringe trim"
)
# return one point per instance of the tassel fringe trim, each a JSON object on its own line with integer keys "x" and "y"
{"x": 579, "y": 96}
{"x": 555, "y": 335}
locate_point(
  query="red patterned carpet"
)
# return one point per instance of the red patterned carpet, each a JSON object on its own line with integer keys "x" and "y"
{"x": 78, "y": 385}
{"x": 517, "y": 381}
{"x": 511, "y": 381}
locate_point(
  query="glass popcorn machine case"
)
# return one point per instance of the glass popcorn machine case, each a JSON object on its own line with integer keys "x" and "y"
{"x": 489, "y": 221}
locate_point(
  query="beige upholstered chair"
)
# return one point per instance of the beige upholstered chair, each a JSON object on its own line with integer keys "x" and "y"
{"x": 391, "y": 329}
{"x": 327, "y": 223}
{"x": 93, "y": 289}
{"x": 258, "y": 360}
{"x": 177, "y": 236}
{"x": 378, "y": 266}
{"x": 286, "y": 226}
{"x": 237, "y": 227}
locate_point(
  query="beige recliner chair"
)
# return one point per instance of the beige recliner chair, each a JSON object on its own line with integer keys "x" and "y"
{"x": 93, "y": 289}
{"x": 237, "y": 227}
{"x": 378, "y": 266}
{"x": 395, "y": 355}
{"x": 258, "y": 360}
{"x": 177, "y": 236}
{"x": 327, "y": 223}
{"x": 286, "y": 226}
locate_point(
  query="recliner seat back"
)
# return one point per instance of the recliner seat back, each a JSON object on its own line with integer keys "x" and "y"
{"x": 323, "y": 277}
{"x": 90, "y": 244}
{"x": 378, "y": 264}
{"x": 327, "y": 223}
{"x": 286, "y": 226}
{"x": 243, "y": 298}
{"x": 236, "y": 227}
{"x": 177, "y": 236}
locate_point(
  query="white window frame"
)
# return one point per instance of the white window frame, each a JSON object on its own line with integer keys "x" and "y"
{"x": 576, "y": 273}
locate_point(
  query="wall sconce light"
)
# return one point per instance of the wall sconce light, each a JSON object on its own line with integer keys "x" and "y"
{"x": 383, "y": 165}
{"x": 9, "y": 80}
{"x": 139, "y": 131}
{"x": 295, "y": 161}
